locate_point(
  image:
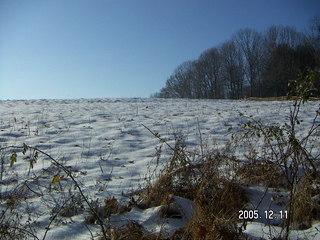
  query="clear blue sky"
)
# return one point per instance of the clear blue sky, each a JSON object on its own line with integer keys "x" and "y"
{"x": 120, "y": 48}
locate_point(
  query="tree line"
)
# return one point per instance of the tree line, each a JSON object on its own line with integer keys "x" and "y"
{"x": 250, "y": 64}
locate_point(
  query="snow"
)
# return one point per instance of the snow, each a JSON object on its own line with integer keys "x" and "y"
{"x": 106, "y": 142}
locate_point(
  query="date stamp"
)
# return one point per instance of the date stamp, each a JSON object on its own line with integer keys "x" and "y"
{"x": 267, "y": 214}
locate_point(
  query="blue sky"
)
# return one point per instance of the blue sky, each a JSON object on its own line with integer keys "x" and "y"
{"x": 120, "y": 48}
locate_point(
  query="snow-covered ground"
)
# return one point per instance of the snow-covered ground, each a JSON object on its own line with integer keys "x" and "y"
{"x": 106, "y": 142}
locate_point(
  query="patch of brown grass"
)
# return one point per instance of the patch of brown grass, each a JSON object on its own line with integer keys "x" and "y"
{"x": 261, "y": 172}
{"x": 218, "y": 202}
{"x": 218, "y": 197}
{"x": 168, "y": 185}
{"x": 281, "y": 98}
{"x": 209, "y": 183}
{"x": 132, "y": 231}
{"x": 305, "y": 207}
{"x": 178, "y": 178}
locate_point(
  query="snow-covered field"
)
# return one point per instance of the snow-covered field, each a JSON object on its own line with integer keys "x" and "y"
{"x": 106, "y": 142}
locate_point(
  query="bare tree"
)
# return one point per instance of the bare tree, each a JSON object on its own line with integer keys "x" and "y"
{"x": 286, "y": 54}
{"x": 313, "y": 37}
{"x": 281, "y": 35}
{"x": 233, "y": 73}
{"x": 279, "y": 70}
{"x": 250, "y": 44}
{"x": 198, "y": 79}
{"x": 179, "y": 84}
{"x": 211, "y": 61}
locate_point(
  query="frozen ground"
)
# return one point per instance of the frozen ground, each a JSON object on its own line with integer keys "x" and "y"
{"x": 105, "y": 141}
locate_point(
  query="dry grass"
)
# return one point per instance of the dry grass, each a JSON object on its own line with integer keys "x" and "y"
{"x": 132, "y": 231}
{"x": 168, "y": 185}
{"x": 178, "y": 178}
{"x": 306, "y": 204}
{"x": 159, "y": 193}
{"x": 218, "y": 197}
{"x": 302, "y": 206}
{"x": 262, "y": 172}
{"x": 135, "y": 231}
{"x": 218, "y": 202}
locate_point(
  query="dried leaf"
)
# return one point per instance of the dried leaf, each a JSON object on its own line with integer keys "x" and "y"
{"x": 56, "y": 179}
{"x": 13, "y": 159}
{"x": 111, "y": 201}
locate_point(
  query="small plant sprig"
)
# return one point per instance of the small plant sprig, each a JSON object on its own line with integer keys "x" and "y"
{"x": 304, "y": 86}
